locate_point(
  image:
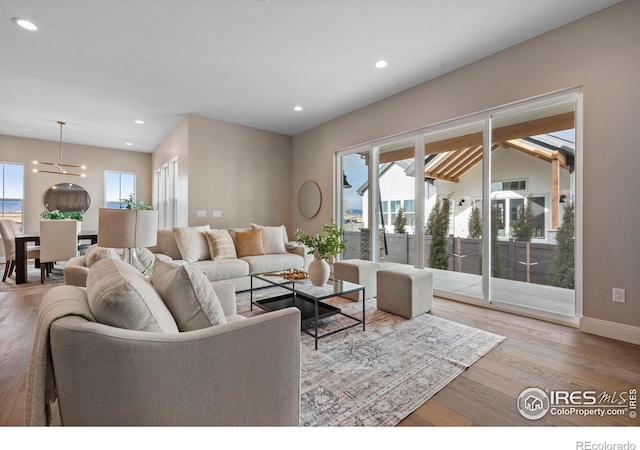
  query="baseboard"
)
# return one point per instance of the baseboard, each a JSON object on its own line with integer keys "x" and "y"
{"x": 613, "y": 330}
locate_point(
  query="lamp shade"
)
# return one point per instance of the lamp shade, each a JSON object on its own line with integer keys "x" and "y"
{"x": 127, "y": 228}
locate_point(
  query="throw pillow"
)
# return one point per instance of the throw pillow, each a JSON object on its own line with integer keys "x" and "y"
{"x": 167, "y": 244}
{"x": 95, "y": 253}
{"x": 249, "y": 243}
{"x": 192, "y": 242}
{"x": 272, "y": 238}
{"x": 188, "y": 295}
{"x": 120, "y": 296}
{"x": 220, "y": 245}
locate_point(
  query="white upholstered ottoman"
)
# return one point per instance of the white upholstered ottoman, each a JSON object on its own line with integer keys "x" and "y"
{"x": 357, "y": 271}
{"x": 406, "y": 291}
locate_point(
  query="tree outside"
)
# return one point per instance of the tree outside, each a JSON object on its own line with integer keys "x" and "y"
{"x": 400, "y": 221}
{"x": 475, "y": 223}
{"x": 524, "y": 228}
{"x": 562, "y": 272}
{"x": 438, "y": 255}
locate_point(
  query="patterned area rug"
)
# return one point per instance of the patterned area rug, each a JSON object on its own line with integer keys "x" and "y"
{"x": 380, "y": 376}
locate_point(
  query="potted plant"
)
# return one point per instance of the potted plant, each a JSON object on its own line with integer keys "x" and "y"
{"x": 327, "y": 244}
{"x": 56, "y": 214}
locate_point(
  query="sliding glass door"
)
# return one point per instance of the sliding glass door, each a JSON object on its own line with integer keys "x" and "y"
{"x": 487, "y": 203}
{"x": 533, "y": 179}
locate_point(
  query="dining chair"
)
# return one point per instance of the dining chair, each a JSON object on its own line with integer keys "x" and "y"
{"x": 8, "y": 230}
{"x": 58, "y": 242}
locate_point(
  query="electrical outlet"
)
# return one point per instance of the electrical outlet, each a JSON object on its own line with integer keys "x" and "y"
{"x": 201, "y": 213}
{"x": 217, "y": 213}
{"x": 618, "y": 295}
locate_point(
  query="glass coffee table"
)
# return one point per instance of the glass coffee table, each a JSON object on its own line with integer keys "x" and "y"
{"x": 310, "y": 300}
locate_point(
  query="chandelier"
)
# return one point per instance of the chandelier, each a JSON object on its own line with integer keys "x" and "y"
{"x": 60, "y": 168}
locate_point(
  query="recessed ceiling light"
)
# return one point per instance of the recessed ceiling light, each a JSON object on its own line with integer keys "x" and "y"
{"x": 139, "y": 122}
{"x": 381, "y": 64}
{"x": 297, "y": 108}
{"x": 128, "y": 143}
{"x": 23, "y": 23}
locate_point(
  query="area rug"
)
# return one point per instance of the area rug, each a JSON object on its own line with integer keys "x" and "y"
{"x": 379, "y": 376}
{"x": 33, "y": 278}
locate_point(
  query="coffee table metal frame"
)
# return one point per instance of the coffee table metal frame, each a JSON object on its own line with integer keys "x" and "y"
{"x": 309, "y": 300}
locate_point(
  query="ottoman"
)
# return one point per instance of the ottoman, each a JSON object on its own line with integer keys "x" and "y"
{"x": 357, "y": 271}
{"x": 405, "y": 291}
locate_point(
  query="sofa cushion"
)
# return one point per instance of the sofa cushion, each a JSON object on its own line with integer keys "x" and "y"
{"x": 120, "y": 296}
{"x": 188, "y": 295}
{"x": 167, "y": 244}
{"x": 192, "y": 242}
{"x": 249, "y": 243}
{"x": 220, "y": 245}
{"x": 224, "y": 269}
{"x": 272, "y": 238}
{"x": 274, "y": 263}
{"x": 95, "y": 253}
{"x": 233, "y": 231}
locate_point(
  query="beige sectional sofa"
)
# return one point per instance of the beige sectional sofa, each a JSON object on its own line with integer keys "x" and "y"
{"x": 172, "y": 351}
{"x": 193, "y": 245}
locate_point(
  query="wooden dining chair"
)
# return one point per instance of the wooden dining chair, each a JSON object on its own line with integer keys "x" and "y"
{"x": 8, "y": 231}
{"x": 58, "y": 242}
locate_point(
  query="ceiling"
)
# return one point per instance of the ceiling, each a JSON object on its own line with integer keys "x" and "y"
{"x": 99, "y": 65}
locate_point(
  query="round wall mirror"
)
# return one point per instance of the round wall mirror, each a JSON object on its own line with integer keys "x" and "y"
{"x": 309, "y": 199}
{"x": 67, "y": 197}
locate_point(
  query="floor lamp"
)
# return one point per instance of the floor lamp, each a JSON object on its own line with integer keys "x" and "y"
{"x": 127, "y": 229}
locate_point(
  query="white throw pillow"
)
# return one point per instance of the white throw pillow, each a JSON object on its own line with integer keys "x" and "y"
{"x": 122, "y": 297}
{"x": 188, "y": 295}
{"x": 192, "y": 242}
{"x": 272, "y": 238}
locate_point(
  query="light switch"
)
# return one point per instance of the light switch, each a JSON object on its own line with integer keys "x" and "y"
{"x": 217, "y": 213}
{"x": 201, "y": 213}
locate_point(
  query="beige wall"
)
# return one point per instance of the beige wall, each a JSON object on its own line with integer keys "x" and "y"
{"x": 97, "y": 160}
{"x": 241, "y": 171}
{"x": 600, "y": 53}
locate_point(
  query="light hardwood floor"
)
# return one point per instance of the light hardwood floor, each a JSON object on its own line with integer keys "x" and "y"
{"x": 535, "y": 354}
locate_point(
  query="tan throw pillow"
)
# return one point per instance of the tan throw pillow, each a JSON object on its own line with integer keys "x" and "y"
{"x": 192, "y": 242}
{"x": 220, "y": 245}
{"x": 249, "y": 243}
{"x": 167, "y": 244}
{"x": 272, "y": 238}
{"x": 188, "y": 295}
{"x": 122, "y": 297}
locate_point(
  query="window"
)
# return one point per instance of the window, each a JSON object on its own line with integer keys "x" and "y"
{"x": 410, "y": 211}
{"x": 518, "y": 185}
{"x": 395, "y": 206}
{"x": 11, "y": 191}
{"x": 118, "y": 187}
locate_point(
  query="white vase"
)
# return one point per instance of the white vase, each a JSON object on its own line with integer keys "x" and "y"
{"x": 319, "y": 272}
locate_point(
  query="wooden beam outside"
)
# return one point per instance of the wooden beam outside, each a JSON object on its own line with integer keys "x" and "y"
{"x": 519, "y": 130}
{"x": 536, "y": 152}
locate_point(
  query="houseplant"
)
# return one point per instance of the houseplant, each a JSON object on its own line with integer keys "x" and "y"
{"x": 327, "y": 244}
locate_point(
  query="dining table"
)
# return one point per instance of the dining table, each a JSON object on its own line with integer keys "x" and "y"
{"x": 22, "y": 240}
